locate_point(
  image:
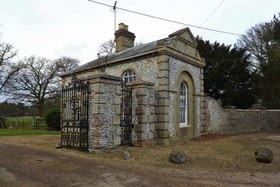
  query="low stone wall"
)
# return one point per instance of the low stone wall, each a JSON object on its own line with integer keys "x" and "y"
{"x": 238, "y": 121}
{"x": 217, "y": 118}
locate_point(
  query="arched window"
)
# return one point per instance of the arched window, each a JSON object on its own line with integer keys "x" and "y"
{"x": 129, "y": 76}
{"x": 183, "y": 104}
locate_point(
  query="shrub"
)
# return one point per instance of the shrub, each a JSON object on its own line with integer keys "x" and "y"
{"x": 53, "y": 119}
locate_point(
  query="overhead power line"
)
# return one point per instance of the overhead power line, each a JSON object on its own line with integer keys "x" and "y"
{"x": 211, "y": 14}
{"x": 165, "y": 19}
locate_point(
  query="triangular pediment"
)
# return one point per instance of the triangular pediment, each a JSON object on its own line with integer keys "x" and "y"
{"x": 183, "y": 42}
{"x": 184, "y": 34}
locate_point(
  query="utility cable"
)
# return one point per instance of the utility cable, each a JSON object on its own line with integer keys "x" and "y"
{"x": 210, "y": 15}
{"x": 165, "y": 19}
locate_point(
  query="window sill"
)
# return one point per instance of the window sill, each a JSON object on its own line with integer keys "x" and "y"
{"x": 184, "y": 126}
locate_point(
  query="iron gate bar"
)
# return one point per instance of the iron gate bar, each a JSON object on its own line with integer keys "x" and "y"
{"x": 75, "y": 105}
{"x": 126, "y": 115}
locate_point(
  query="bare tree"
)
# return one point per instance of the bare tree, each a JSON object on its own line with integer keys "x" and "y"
{"x": 107, "y": 48}
{"x": 63, "y": 64}
{"x": 66, "y": 63}
{"x": 38, "y": 81}
{"x": 263, "y": 42}
{"x": 258, "y": 40}
{"x": 7, "y": 68}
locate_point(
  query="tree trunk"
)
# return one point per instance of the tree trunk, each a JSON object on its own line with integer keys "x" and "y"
{"x": 41, "y": 108}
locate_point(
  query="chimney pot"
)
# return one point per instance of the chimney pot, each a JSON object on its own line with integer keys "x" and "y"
{"x": 123, "y": 26}
{"x": 126, "y": 27}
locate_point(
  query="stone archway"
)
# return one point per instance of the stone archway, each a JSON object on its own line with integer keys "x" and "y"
{"x": 186, "y": 131}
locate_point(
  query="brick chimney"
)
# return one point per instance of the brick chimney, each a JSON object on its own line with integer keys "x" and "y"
{"x": 123, "y": 38}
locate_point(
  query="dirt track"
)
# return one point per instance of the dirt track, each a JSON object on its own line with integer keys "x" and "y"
{"x": 33, "y": 161}
{"x": 36, "y": 167}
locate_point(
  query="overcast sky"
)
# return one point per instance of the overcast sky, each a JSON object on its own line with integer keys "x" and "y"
{"x": 76, "y": 28}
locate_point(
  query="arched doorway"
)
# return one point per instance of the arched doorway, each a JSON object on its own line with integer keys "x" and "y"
{"x": 184, "y": 106}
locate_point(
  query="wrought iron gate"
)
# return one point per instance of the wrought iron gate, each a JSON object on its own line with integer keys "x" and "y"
{"x": 126, "y": 116}
{"x": 75, "y": 103}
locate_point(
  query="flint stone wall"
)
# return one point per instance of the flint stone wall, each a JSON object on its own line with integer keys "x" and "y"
{"x": 238, "y": 121}
{"x": 143, "y": 113}
{"x": 176, "y": 68}
{"x": 104, "y": 113}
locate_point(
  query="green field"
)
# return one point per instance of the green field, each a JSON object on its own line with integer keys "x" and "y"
{"x": 22, "y": 122}
{"x": 24, "y": 125}
{"x": 9, "y": 132}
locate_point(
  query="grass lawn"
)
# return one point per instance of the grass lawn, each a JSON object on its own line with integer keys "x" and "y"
{"x": 21, "y": 122}
{"x": 11, "y": 132}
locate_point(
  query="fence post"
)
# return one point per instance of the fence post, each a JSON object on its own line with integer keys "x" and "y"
{"x": 17, "y": 122}
{"x": 33, "y": 122}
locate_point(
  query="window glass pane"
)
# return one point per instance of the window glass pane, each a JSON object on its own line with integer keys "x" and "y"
{"x": 182, "y": 115}
{"x": 183, "y": 104}
{"x": 129, "y": 76}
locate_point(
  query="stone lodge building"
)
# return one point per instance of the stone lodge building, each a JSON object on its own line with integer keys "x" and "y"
{"x": 142, "y": 95}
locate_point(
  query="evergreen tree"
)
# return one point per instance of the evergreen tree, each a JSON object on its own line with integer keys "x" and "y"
{"x": 227, "y": 73}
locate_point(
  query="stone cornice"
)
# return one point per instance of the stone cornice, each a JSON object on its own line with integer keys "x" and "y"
{"x": 183, "y": 57}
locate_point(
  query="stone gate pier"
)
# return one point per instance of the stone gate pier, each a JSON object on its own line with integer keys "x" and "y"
{"x": 115, "y": 114}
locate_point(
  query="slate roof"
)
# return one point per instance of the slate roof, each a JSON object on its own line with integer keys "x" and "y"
{"x": 126, "y": 54}
{"x": 130, "y": 53}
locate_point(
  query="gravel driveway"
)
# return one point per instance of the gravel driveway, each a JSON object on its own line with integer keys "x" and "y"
{"x": 33, "y": 161}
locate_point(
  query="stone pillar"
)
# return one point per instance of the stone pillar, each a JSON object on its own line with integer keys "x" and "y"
{"x": 263, "y": 122}
{"x": 163, "y": 101}
{"x": 203, "y": 116}
{"x": 104, "y": 113}
{"x": 144, "y": 113}
{"x": 233, "y": 119}
{"x": 203, "y": 110}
